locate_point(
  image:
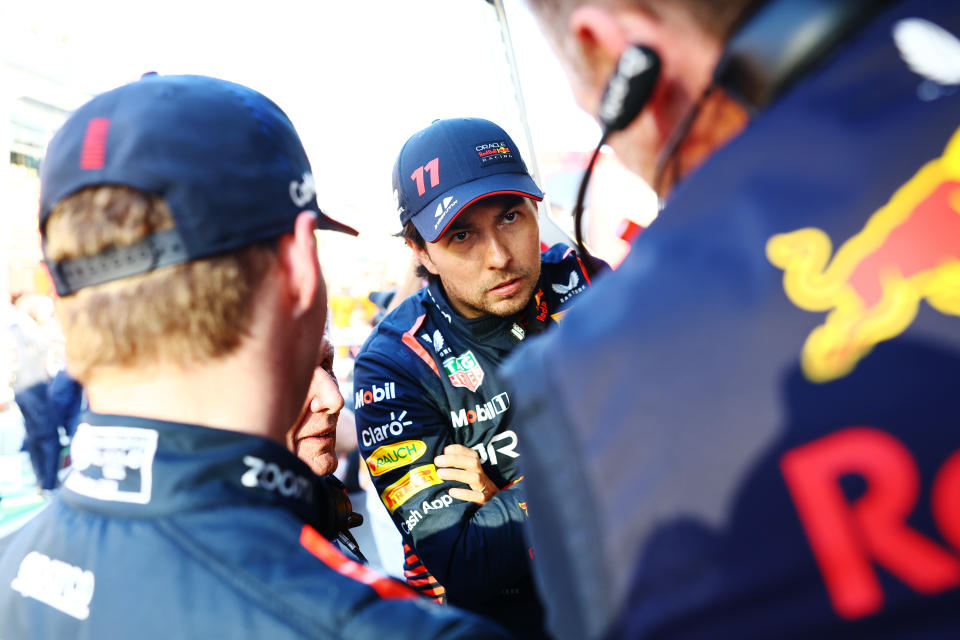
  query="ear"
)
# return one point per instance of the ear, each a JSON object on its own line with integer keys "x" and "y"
{"x": 423, "y": 257}
{"x": 599, "y": 39}
{"x": 297, "y": 254}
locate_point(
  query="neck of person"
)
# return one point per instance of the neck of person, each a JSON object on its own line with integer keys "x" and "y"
{"x": 237, "y": 392}
{"x": 717, "y": 120}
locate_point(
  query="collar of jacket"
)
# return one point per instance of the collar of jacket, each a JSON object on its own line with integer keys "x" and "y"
{"x": 129, "y": 466}
{"x": 501, "y": 332}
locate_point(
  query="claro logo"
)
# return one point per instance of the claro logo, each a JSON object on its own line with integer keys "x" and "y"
{"x": 481, "y": 412}
{"x": 372, "y": 435}
{"x": 391, "y": 456}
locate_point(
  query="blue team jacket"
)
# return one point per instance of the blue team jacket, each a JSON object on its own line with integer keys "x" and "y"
{"x": 751, "y": 428}
{"x": 426, "y": 378}
{"x": 167, "y": 530}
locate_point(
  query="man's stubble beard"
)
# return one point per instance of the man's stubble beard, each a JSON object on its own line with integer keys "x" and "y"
{"x": 480, "y": 303}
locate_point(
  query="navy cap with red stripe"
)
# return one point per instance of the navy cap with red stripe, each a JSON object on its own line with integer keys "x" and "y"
{"x": 443, "y": 169}
{"x": 226, "y": 159}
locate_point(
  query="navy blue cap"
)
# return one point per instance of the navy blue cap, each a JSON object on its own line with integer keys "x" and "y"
{"x": 446, "y": 167}
{"x": 226, "y": 160}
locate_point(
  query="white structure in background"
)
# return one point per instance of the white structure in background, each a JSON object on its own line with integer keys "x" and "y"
{"x": 36, "y": 94}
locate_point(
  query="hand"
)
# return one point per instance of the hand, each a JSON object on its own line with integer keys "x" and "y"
{"x": 461, "y": 464}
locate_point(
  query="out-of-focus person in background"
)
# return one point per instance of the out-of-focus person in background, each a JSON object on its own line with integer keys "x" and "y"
{"x": 432, "y": 417}
{"x": 65, "y": 400}
{"x": 749, "y": 430}
{"x": 178, "y": 217}
{"x": 29, "y": 350}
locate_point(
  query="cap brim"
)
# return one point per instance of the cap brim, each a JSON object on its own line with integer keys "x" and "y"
{"x": 432, "y": 226}
{"x": 325, "y": 222}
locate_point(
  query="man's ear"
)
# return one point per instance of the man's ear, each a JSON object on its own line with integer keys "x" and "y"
{"x": 598, "y": 41}
{"x": 297, "y": 254}
{"x": 423, "y": 257}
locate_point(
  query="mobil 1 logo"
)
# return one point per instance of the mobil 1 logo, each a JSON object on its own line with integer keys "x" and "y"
{"x": 481, "y": 412}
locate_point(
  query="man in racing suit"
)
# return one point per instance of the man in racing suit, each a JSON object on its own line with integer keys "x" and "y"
{"x": 178, "y": 217}
{"x": 759, "y": 434}
{"x": 433, "y": 420}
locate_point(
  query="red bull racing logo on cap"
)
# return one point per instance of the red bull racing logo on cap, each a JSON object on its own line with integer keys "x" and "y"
{"x": 908, "y": 251}
{"x": 496, "y": 151}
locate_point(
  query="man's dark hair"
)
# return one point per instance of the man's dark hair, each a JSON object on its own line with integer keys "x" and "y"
{"x": 410, "y": 233}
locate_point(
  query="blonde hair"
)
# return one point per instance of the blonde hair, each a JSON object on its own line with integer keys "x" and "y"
{"x": 186, "y": 312}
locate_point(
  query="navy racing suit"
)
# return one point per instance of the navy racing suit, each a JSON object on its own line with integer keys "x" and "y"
{"x": 166, "y": 530}
{"x": 426, "y": 378}
{"x": 759, "y": 435}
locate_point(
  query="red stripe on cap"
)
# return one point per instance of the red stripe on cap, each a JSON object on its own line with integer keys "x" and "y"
{"x": 386, "y": 588}
{"x": 93, "y": 154}
{"x": 416, "y": 347}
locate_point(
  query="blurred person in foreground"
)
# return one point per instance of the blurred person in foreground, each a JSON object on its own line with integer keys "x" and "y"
{"x": 178, "y": 217}
{"x": 433, "y": 418}
{"x": 757, "y": 436}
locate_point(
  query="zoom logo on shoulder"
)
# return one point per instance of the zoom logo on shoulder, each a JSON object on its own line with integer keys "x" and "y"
{"x": 269, "y": 476}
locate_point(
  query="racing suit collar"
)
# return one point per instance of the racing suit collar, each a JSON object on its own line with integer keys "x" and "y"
{"x": 500, "y": 332}
{"x": 134, "y": 466}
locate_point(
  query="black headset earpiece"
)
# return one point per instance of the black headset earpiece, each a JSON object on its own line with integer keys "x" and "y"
{"x": 630, "y": 87}
{"x": 774, "y": 42}
{"x": 627, "y": 92}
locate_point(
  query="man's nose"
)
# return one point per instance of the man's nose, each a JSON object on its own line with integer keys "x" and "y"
{"x": 498, "y": 254}
{"x": 325, "y": 394}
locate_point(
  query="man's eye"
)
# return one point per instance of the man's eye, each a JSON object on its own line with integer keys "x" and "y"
{"x": 460, "y": 236}
{"x": 510, "y": 216}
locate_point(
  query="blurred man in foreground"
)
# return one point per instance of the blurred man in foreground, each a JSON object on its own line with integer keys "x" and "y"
{"x": 433, "y": 418}
{"x": 756, "y": 437}
{"x": 178, "y": 218}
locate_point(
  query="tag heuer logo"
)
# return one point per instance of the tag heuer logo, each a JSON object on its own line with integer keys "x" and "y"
{"x": 464, "y": 371}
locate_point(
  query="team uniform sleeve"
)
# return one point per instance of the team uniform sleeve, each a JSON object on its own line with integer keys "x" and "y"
{"x": 473, "y": 551}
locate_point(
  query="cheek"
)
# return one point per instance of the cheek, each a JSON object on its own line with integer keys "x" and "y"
{"x": 461, "y": 270}
{"x": 319, "y": 457}
{"x": 527, "y": 245}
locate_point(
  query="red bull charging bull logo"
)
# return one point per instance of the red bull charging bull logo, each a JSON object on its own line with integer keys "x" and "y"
{"x": 908, "y": 251}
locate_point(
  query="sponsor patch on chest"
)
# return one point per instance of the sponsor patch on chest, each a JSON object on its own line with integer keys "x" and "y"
{"x": 464, "y": 371}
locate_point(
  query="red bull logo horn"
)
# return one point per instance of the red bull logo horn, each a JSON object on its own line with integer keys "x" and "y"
{"x": 908, "y": 251}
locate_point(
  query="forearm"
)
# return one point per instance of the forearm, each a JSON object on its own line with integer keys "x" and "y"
{"x": 480, "y": 554}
